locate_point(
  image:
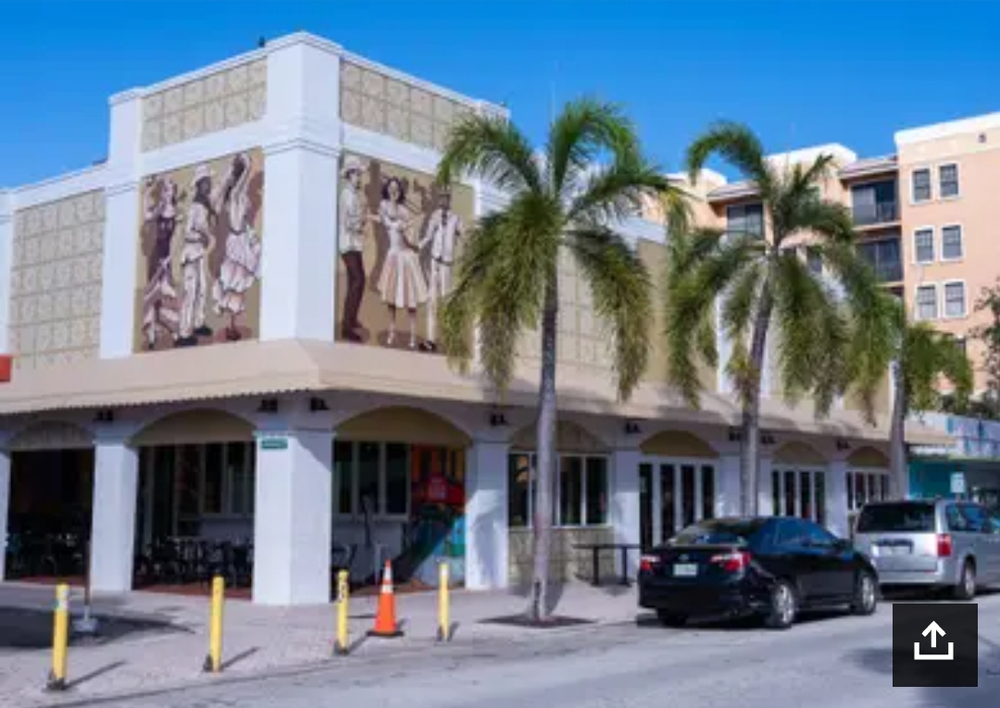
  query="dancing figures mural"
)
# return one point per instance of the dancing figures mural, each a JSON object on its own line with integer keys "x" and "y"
{"x": 399, "y": 235}
{"x": 200, "y": 255}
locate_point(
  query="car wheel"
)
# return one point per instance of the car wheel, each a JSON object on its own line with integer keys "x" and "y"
{"x": 671, "y": 619}
{"x": 781, "y": 613}
{"x": 966, "y": 588}
{"x": 865, "y": 594}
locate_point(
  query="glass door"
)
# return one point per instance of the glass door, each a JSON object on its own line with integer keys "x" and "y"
{"x": 673, "y": 494}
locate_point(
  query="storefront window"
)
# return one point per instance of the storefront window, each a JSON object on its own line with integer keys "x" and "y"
{"x": 188, "y": 480}
{"x": 241, "y": 475}
{"x": 343, "y": 465}
{"x": 597, "y": 490}
{"x": 799, "y": 492}
{"x": 687, "y": 494}
{"x": 579, "y": 496}
{"x": 570, "y": 491}
{"x": 214, "y": 472}
{"x": 707, "y": 492}
{"x": 866, "y": 486}
{"x": 368, "y": 474}
{"x": 397, "y": 478}
{"x": 819, "y": 488}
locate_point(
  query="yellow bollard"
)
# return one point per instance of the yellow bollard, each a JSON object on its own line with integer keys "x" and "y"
{"x": 341, "y": 647}
{"x": 60, "y": 638}
{"x": 444, "y": 613}
{"x": 213, "y": 662}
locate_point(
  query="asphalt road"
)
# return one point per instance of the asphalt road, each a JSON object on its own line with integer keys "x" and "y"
{"x": 829, "y": 662}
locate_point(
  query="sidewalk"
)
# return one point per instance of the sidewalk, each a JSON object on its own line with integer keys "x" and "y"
{"x": 158, "y": 641}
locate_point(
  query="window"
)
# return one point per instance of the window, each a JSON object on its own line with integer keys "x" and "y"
{"x": 897, "y": 517}
{"x": 745, "y": 219}
{"x": 209, "y": 479}
{"x": 581, "y": 494}
{"x": 921, "y": 185}
{"x": 954, "y": 299}
{"x": 814, "y": 261}
{"x": 948, "y": 180}
{"x": 373, "y": 478}
{"x": 927, "y": 308}
{"x": 979, "y": 520}
{"x": 923, "y": 245}
{"x": 799, "y": 493}
{"x": 866, "y": 486}
{"x": 817, "y": 535}
{"x": 874, "y": 203}
{"x": 791, "y": 532}
{"x": 884, "y": 257}
{"x": 596, "y": 490}
{"x": 951, "y": 243}
{"x": 707, "y": 492}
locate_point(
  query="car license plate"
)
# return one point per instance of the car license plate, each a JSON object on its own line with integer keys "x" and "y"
{"x": 893, "y": 550}
{"x": 685, "y": 570}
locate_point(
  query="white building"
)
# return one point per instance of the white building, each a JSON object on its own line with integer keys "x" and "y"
{"x": 183, "y": 365}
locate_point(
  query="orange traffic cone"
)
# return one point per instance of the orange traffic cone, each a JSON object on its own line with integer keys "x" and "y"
{"x": 385, "y": 617}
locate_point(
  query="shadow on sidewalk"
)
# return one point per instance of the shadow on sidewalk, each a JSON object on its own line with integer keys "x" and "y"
{"x": 32, "y": 629}
{"x": 94, "y": 674}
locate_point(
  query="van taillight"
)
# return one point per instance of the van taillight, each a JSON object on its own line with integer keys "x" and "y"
{"x": 647, "y": 563}
{"x": 732, "y": 562}
{"x": 943, "y": 545}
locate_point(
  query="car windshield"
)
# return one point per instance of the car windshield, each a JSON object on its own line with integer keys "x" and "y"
{"x": 905, "y": 517}
{"x": 720, "y": 531}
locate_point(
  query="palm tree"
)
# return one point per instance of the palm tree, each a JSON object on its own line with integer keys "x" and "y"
{"x": 830, "y": 328}
{"x": 506, "y": 280}
{"x": 923, "y": 357}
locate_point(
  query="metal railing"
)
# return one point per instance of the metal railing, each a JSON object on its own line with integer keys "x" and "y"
{"x": 884, "y": 212}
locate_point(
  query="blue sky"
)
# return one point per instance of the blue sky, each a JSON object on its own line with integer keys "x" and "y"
{"x": 801, "y": 73}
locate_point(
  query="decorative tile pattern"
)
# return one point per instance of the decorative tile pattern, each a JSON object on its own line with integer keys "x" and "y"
{"x": 55, "y": 284}
{"x": 212, "y": 103}
{"x": 580, "y": 339}
{"x": 386, "y": 105}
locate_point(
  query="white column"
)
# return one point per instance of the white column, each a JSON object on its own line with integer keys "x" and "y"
{"x": 486, "y": 530}
{"x": 4, "y": 508}
{"x": 728, "y": 478}
{"x": 6, "y": 251}
{"x": 625, "y": 509}
{"x": 121, "y": 216}
{"x": 293, "y": 517}
{"x": 836, "y": 498}
{"x": 116, "y": 486}
{"x": 300, "y": 198}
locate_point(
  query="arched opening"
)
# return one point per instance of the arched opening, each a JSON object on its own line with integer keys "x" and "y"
{"x": 867, "y": 477}
{"x": 582, "y": 498}
{"x": 399, "y": 492}
{"x": 677, "y": 443}
{"x": 798, "y": 482}
{"x": 196, "y": 496}
{"x": 677, "y": 484}
{"x": 51, "y": 500}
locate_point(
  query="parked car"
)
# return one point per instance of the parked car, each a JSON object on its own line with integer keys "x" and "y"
{"x": 772, "y": 567}
{"x": 939, "y": 543}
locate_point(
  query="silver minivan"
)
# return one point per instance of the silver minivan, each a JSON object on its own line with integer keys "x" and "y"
{"x": 942, "y": 543}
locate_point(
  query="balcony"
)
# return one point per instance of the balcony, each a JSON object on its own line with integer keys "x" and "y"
{"x": 885, "y": 212}
{"x": 884, "y": 257}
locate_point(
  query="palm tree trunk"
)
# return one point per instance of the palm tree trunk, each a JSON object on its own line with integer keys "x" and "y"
{"x": 897, "y": 435}
{"x": 545, "y": 435}
{"x": 750, "y": 428}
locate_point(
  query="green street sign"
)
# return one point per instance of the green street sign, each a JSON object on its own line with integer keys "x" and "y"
{"x": 274, "y": 444}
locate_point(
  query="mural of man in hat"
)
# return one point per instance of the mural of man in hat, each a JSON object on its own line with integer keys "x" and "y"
{"x": 198, "y": 238}
{"x": 353, "y": 216}
{"x": 444, "y": 228}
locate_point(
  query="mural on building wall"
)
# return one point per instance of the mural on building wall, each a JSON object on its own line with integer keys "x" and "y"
{"x": 200, "y": 256}
{"x": 399, "y": 236}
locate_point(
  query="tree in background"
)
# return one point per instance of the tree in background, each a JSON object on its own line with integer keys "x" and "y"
{"x": 831, "y": 330}
{"x": 989, "y": 335}
{"x": 924, "y": 359}
{"x": 507, "y": 275}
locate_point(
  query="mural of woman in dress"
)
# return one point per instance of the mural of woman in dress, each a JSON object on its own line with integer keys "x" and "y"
{"x": 161, "y": 212}
{"x": 402, "y": 284}
{"x": 241, "y": 267}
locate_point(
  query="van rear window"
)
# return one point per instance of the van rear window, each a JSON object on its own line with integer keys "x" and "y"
{"x": 907, "y": 517}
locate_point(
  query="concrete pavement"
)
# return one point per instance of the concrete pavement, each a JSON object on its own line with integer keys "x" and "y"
{"x": 829, "y": 662}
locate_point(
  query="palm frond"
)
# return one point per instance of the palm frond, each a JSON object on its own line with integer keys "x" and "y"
{"x": 737, "y": 145}
{"x": 621, "y": 288}
{"x": 585, "y": 130}
{"x": 491, "y": 149}
{"x": 614, "y": 193}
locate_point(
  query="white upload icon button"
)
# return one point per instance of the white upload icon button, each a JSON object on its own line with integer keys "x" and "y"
{"x": 933, "y": 629}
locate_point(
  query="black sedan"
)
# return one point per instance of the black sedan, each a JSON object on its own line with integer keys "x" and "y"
{"x": 771, "y": 567}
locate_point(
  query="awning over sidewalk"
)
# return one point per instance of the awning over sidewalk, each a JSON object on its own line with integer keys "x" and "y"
{"x": 271, "y": 368}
